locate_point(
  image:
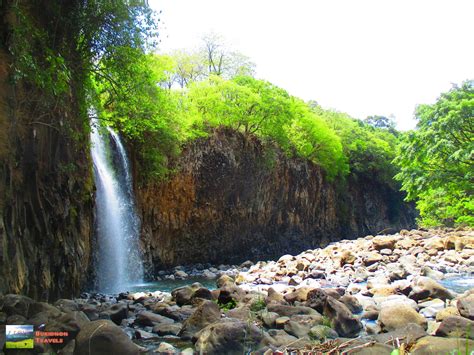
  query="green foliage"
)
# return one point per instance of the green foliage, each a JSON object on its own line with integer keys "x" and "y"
{"x": 326, "y": 322}
{"x": 258, "y": 305}
{"x": 369, "y": 150}
{"x": 437, "y": 160}
{"x": 258, "y": 107}
{"x": 227, "y": 306}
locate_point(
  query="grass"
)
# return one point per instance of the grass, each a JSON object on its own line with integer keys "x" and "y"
{"x": 21, "y": 344}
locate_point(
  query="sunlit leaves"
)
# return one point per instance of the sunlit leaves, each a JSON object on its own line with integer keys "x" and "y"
{"x": 437, "y": 160}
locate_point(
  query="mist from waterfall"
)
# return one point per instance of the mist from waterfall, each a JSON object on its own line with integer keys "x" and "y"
{"x": 119, "y": 264}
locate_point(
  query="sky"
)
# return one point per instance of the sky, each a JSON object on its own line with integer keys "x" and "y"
{"x": 364, "y": 57}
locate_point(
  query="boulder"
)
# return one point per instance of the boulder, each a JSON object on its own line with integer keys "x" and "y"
{"x": 425, "y": 287}
{"x": 439, "y": 345}
{"x": 269, "y": 318}
{"x": 278, "y": 338}
{"x": 183, "y": 295}
{"x": 146, "y": 318}
{"x": 176, "y": 313}
{"x": 229, "y": 293}
{"x": 316, "y": 298}
{"x": 274, "y": 297}
{"x": 223, "y": 280}
{"x": 398, "y": 316}
{"x": 344, "y": 323}
{"x": 466, "y": 306}
{"x": 458, "y": 327}
{"x": 447, "y": 312}
{"x": 167, "y": 329}
{"x": 370, "y": 258}
{"x": 16, "y": 304}
{"x": 322, "y": 333}
{"x": 228, "y": 337}
{"x": 288, "y": 311}
{"x": 103, "y": 337}
{"x": 352, "y": 303}
{"x": 383, "y": 242}
{"x": 208, "y": 312}
{"x": 166, "y": 348}
{"x": 298, "y": 295}
{"x": 117, "y": 312}
{"x": 66, "y": 305}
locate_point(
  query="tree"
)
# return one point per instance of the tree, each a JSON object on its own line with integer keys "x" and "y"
{"x": 437, "y": 160}
{"x": 222, "y": 61}
{"x": 380, "y": 122}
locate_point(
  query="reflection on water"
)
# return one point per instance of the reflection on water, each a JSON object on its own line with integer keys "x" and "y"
{"x": 169, "y": 285}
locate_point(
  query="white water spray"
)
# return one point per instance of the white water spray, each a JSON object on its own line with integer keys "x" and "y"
{"x": 119, "y": 264}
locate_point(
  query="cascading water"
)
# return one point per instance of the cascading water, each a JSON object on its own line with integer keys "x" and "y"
{"x": 119, "y": 264}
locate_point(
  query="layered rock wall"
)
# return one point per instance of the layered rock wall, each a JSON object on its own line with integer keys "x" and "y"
{"x": 46, "y": 186}
{"x": 233, "y": 200}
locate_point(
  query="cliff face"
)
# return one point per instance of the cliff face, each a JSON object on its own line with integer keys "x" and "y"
{"x": 45, "y": 183}
{"x": 232, "y": 200}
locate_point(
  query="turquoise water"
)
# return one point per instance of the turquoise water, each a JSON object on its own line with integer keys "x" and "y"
{"x": 458, "y": 283}
{"x": 169, "y": 285}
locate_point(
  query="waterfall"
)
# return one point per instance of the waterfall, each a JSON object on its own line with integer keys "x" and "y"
{"x": 119, "y": 263}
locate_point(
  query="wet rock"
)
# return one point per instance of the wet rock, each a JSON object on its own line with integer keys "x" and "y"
{"x": 466, "y": 306}
{"x": 458, "y": 327}
{"x": 228, "y": 337}
{"x": 344, "y": 323}
{"x": 396, "y": 317}
{"x": 103, "y": 337}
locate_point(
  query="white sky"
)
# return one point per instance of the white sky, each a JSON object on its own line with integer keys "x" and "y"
{"x": 363, "y": 57}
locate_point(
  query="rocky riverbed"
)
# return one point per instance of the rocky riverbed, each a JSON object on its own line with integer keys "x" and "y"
{"x": 368, "y": 296}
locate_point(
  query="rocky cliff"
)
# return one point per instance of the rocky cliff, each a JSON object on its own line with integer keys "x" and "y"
{"x": 232, "y": 200}
{"x": 46, "y": 188}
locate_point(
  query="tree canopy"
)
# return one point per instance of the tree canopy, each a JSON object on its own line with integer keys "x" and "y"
{"x": 436, "y": 161}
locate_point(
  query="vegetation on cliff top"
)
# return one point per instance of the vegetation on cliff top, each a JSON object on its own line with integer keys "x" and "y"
{"x": 100, "y": 52}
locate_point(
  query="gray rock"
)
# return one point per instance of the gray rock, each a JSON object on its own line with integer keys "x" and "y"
{"x": 228, "y": 337}
{"x": 458, "y": 327}
{"x": 345, "y": 324}
{"x": 16, "y": 304}
{"x": 103, "y": 337}
{"x": 167, "y": 329}
{"x": 466, "y": 306}
{"x": 146, "y": 318}
{"x": 207, "y": 313}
